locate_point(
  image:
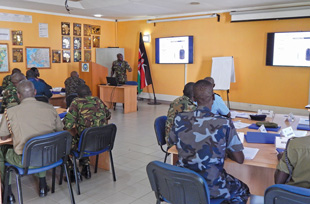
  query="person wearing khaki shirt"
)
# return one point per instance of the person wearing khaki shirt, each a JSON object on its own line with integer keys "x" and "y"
{"x": 29, "y": 119}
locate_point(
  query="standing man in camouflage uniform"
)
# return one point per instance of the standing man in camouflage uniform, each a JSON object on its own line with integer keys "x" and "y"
{"x": 10, "y": 98}
{"x": 119, "y": 67}
{"x": 203, "y": 140}
{"x": 7, "y": 79}
{"x": 85, "y": 111}
{"x": 182, "y": 104}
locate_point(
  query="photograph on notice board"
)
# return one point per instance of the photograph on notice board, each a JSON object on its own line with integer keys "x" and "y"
{"x": 18, "y": 54}
{"x": 65, "y": 28}
{"x": 87, "y": 55}
{"x": 77, "y": 30}
{"x": 77, "y": 55}
{"x": 17, "y": 37}
{"x": 66, "y": 56}
{"x": 56, "y": 56}
{"x": 38, "y": 57}
{"x": 87, "y": 42}
{"x": 96, "y": 41}
{"x": 77, "y": 43}
{"x": 66, "y": 42}
{"x": 4, "y": 57}
{"x": 96, "y": 30}
{"x": 87, "y": 30}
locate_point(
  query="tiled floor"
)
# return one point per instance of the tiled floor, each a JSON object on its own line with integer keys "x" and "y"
{"x": 135, "y": 147}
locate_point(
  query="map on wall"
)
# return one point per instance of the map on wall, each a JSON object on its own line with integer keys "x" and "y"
{"x": 4, "y": 59}
{"x": 38, "y": 57}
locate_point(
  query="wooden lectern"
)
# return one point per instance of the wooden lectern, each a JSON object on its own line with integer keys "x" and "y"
{"x": 93, "y": 75}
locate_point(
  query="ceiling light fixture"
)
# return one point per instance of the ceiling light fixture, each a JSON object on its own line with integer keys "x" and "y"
{"x": 186, "y": 18}
{"x": 98, "y": 15}
{"x": 194, "y": 3}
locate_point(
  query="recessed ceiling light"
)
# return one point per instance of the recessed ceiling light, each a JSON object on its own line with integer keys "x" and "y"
{"x": 194, "y": 3}
{"x": 98, "y": 15}
{"x": 75, "y": 0}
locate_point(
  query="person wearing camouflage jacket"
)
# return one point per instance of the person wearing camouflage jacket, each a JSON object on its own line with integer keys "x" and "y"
{"x": 203, "y": 140}
{"x": 72, "y": 83}
{"x": 7, "y": 79}
{"x": 119, "y": 67}
{"x": 10, "y": 97}
{"x": 85, "y": 111}
{"x": 182, "y": 104}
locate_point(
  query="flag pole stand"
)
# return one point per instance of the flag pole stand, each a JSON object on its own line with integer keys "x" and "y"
{"x": 155, "y": 101}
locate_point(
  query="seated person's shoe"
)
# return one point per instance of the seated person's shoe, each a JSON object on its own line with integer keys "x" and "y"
{"x": 72, "y": 177}
{"x": 86, "y": 172}
{"x": 11, "y": 199}
{"x": 43, "y": 190}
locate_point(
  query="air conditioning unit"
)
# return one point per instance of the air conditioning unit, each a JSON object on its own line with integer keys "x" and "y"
{"x": 270, "y": 14}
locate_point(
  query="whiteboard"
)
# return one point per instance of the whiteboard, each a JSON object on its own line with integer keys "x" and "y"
{"x": 105, "y": 56}
{"x": 223, "y": 72}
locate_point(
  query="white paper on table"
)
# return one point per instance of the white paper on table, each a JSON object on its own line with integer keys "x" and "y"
{"x": 240, "y": 125}
{"x": 236, "y": 114}
{"x": 303, "y": 121}
{"x": 241, "y": 136}
{"x": 250, "y": 153}
{"x": 300, "y": 133}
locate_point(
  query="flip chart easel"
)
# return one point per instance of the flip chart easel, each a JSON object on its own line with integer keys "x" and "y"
{"x": 223, "y": 73}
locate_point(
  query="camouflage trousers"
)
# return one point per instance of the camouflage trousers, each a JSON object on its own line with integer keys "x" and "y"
{"x": 239, "y": 191}
{"x": 74, "y": 146}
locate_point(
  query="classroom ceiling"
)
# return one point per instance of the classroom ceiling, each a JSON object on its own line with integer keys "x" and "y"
{"x": 145, "y": 9}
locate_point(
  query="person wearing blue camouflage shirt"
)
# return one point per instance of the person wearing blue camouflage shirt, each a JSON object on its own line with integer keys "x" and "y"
{"x": 203, "y": 140}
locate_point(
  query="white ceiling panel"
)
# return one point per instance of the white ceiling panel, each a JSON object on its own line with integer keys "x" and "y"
{"x": 135, "y": 9}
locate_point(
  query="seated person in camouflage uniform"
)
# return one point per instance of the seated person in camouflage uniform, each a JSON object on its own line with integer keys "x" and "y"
{"x": 203, "y": 140}
{"x": 119, "y": 67}
{"x": 218, "y": 106}
{"x": 85, "y": 111}
{"x": 182, "y": 104}
{"x": 7, "y": 79}
{"x": 72, "y": 83}
{"x": 10, "y": 98}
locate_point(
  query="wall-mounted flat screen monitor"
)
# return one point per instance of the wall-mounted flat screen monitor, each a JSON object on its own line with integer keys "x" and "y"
{"x": 288, "y": 49}
{"x": 174, "y": 50}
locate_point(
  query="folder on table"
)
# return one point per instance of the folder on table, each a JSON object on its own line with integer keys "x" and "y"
{"x": 303, "y": 127}
{"x": 256, "y": 127}
{"x": 261, "y": 137}
{"x": 62, "y": 115}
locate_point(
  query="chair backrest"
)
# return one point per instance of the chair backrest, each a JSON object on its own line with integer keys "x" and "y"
{"x": 177, "y": 185}
{"x": 97, "y": 139}
{"x": 286, "y": 194}
{"x": 70, "y": 98}
{"x": 47, "y": 149}
{"x": 159, "y": 126}
{"x": 42, "y": 98}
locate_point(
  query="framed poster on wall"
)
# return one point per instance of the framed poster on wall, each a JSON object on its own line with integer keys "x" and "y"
{"x": 4, "y": 57}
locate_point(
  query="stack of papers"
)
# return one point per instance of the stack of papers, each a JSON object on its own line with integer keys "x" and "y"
{"x": 300, "y": 133}
{"x": 303, "y": 121}
{"x": 241, "y": 136}
{"x": 250, "y": 153}
{"x": 240, "y": 125}
{"x": 235, "y": 114}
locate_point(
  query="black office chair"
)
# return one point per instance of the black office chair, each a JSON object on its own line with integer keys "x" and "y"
{"x": 43, "y": 152}
{"x": 70, "y": 98}
{"x": 286, "y": 194}
{"x": 42, "y": 98}
{"x": 94, "y": 141}
{"x": 159, "y": 126}
{"x": 178, "y": 185}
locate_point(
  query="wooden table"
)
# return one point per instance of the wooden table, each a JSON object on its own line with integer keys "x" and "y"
{"x": 258, "y": 173}
{"x": 126, "y": 94}
{"x": 58, "y": 100}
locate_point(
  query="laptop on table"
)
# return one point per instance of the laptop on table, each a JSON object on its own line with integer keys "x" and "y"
{"x": 112, "y": 81}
